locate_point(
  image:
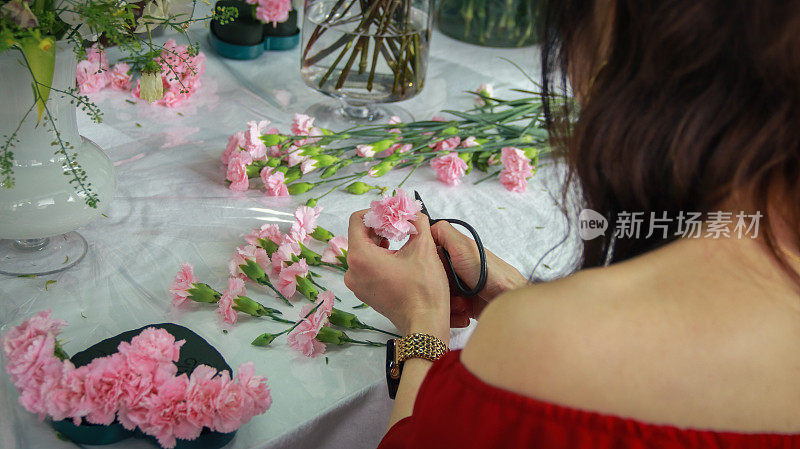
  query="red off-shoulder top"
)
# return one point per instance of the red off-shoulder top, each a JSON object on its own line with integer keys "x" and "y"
{"x": 455, "y": 409}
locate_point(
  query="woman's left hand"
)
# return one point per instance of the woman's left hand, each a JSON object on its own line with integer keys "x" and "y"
{"x": 409, "y": 286}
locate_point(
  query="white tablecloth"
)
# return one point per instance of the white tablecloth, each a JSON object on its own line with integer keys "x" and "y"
{"x": 172, "y": 206}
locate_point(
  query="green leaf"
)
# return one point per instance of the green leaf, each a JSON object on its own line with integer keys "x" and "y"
{"x": 41, "y": 61}
{"x": 49, "y": 283}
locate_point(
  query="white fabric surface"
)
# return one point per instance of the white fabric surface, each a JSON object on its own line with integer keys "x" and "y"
{"x": 172, "y": 206}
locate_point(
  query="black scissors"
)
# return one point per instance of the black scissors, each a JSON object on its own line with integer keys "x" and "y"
{"x": 459, "y": 283}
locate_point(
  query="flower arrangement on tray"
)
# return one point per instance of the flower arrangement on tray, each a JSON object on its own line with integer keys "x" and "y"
{"x": 503, "y": 138}
{"x": 144, "y": 384}
{"x": 286, "y": 264}
{"x": 35, "y": 28}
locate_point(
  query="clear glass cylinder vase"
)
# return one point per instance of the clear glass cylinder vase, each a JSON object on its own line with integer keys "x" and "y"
{"x": 491, "y": 23}
{"x": 366, "y": 52}
{"x": 42, "y": 206}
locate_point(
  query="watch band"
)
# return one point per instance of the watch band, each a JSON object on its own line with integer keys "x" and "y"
{"x": 415, "y": 345}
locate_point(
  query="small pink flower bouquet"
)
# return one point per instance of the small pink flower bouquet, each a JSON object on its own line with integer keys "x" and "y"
{"x": 138, "y": 386}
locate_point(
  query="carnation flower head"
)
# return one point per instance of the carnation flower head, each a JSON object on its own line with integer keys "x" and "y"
{"x": 287, "y": 279}
{"x": 283, "y": 255}
{"x": 119, "y": 78}
{"x": 449, "y": 168}
{"x": 336, "y": 248}
{"x": 303, "y": 338}
{"x": 235, "y": 289}
{"x": 307, "y": 217}
{"x": 181, "y": 284}
{"x": 391, "y": 216}
{"x": 235, "y": 144}
{"x": 237, "y": 171}
{"x": 275, "y": 185}
{"x": 90, "y": 76}
{"x": 153, "y": 346}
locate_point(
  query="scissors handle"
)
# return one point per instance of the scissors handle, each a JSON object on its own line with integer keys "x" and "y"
{"x": 466, "y": 291}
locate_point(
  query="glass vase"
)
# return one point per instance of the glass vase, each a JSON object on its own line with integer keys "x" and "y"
{"x": 490, "y": 23}
{"x": 42, "y": 207}
{"x": 365, "y": 53}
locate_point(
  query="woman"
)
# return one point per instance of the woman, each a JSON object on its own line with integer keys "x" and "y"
{"x": 660, "y": 341}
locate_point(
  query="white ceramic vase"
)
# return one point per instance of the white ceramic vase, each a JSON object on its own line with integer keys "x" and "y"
{"x": 39, "y": 211}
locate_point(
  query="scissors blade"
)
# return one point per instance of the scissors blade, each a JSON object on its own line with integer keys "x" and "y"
{"x": 424, "y": 209}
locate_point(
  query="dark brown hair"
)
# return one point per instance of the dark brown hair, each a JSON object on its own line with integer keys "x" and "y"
{"x": 694, "y": 104}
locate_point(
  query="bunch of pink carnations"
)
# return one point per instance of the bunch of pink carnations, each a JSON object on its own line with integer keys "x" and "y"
{"x": 180, "y": 69}
{"x": 282, "y": 262}
{"x": 495, "y": 131}
{"x": 137, "y": 386}
{"x": 93, "y": 74}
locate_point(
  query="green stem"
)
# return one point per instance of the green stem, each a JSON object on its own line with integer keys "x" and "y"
{"x": 333, "y": 265}
{"x": 323, "y": 288}
{"x": 492, "y": 175}
{"x": 280, "y": 295}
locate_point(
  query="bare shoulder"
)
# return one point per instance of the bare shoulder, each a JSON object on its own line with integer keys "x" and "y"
{"x": 551, "y": 341}
{"x": 617, "y": 341}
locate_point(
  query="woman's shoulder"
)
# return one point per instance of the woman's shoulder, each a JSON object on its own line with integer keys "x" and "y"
{"x": 625, "y": 341}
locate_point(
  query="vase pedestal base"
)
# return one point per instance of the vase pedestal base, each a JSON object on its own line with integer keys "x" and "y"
{"x": 41, "y": 256}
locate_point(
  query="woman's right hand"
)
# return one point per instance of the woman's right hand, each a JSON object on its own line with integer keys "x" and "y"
{"x": 466, "y": 261}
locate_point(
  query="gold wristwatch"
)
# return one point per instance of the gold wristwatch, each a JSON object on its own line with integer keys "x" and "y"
{"x": 411, "y": 346}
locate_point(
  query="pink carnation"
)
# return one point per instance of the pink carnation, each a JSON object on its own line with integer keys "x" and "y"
{"x": 119, "y": 77}
{"x": 302, "y": 124}
{"x": 234, "y": 404}
{"x": 201, "y": 396}
{"x": 287, "y": 279}
{"x": 470, "y": 142}
{"x": 273, "y": 11}
{"x": 235, "y": 144}
{"x": 256, "y": 387}
{"x": 252, "y": 139}
{"x": 303, "y": 338}
{"x": 96, "y": 54}
{"x": 153, "y": 346}
{"x": 391, "y": 216}
{"x": 235, "y": 289}
{"x": 484, "y": 89}
{"x": 244, "y": 253}
{"x": 66, "y": 398}
{"x": 182, "y": 283}
{"x": 451, "y": 143}
{"x": 308, "y": 165}
{"x": 449, "y": 168}
{"x": 513, "y": 181}
{"x": 265, "y": 232}
{"x": 283, "y": 255}
{"x": 167, "y": 417}
{"x": 103, "y": 386}
{"x": 307, "y": 217}
{"x": 325, "y": 299}
{"x": 295, "y": 157}
{"x": 365, "y": 150}
{"x": 275, "y": 185}
{"x": 336, "y": 248}
{"x": 90, "y": 76}
{"x": 237, "y": 171}
{"x": 514, "y": 159}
